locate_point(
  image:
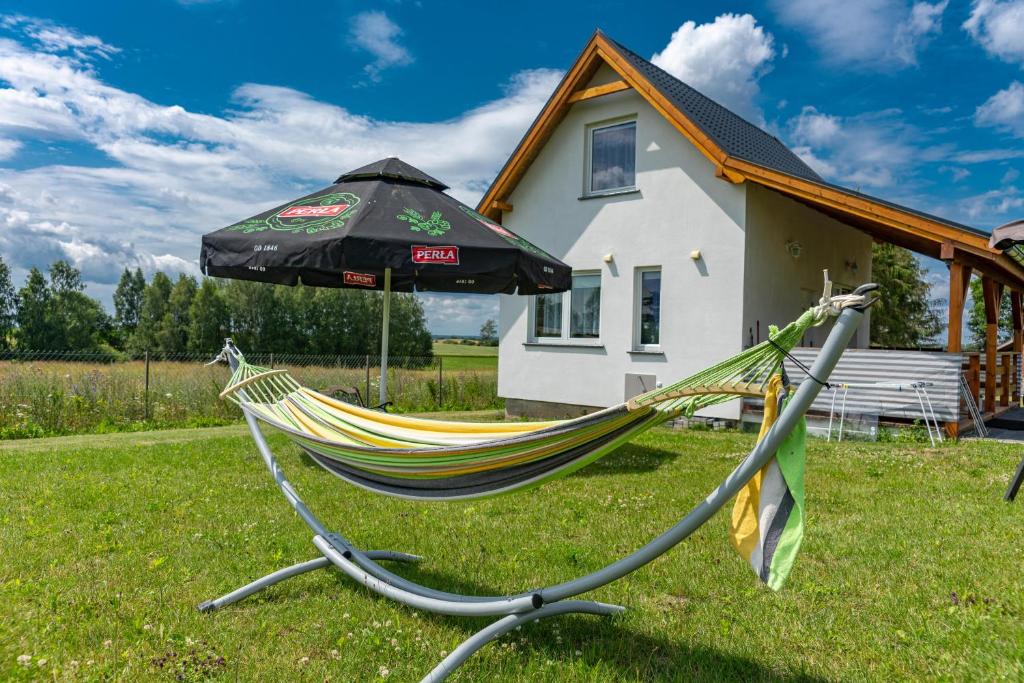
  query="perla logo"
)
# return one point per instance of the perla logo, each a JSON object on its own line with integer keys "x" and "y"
{"x": 448, "y": 255}
{"x": 310, "y": 215}
{"x": 312, "y": 211}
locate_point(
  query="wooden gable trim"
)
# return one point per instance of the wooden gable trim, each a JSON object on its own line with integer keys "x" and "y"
{"x": 598, "y": 91}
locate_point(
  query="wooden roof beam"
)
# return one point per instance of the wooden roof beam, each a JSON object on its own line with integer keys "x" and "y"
{"x": 598, "y": 91}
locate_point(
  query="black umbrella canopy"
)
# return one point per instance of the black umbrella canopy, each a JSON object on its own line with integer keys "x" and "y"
{"x": 384, "y": 215}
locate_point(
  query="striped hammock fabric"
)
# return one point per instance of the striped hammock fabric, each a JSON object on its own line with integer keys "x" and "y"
{"x": 423, "y": 459}
{"x": 768, "y": 516}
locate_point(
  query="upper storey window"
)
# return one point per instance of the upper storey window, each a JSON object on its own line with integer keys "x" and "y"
{"x": 613, "y": 157}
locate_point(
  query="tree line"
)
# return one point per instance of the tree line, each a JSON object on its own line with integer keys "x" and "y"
{"x": 51, "y": 312}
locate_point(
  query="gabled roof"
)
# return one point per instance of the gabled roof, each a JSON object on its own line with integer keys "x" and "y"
{"x": 742, "y": 152}
{"x": 736, "y": 136}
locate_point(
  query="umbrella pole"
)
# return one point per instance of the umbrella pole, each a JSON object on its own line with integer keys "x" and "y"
{"x": 384, "y": 338}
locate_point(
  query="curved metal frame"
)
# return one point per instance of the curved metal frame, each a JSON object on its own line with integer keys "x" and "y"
{"x": 528, "y": 606}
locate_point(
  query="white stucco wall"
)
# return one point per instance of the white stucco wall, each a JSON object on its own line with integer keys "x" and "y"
{"x": 680, "y": 207}
{"x": 780, "y": 287}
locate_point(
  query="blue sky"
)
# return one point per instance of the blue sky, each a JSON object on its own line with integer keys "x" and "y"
{"x": 129, "y": 129}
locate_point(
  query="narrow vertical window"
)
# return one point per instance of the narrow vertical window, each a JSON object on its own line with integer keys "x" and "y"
{"x": 585, "y": 306}
{"x": 613, "y": 157}
{"x": 648, "y": 308}
{"x": 547, "y": 319}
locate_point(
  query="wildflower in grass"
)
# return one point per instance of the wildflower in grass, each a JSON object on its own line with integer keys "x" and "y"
{"x": 335, "y": 654}
{"x": 41, "y": 663}
{"x": 24, "y": 660}
{"x": 384, "y": 672}
{"x": 108, "y": 642}
{"x": 303, "y": 660}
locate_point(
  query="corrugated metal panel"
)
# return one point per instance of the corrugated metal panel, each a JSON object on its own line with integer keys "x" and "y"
{"x": 872, "y": 367}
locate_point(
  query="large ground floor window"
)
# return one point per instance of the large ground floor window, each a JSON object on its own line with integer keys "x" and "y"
{"x": 570, "y": 316}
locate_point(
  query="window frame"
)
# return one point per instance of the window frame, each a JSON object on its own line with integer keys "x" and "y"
{"x": 565, "y": 339}
{"x": 588, "y": 165}
{"x": 638, "y": 274}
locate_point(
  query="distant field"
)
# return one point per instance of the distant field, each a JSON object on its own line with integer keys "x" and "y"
{"x": 464, "y": 357}
{"x": 54, "y": 398}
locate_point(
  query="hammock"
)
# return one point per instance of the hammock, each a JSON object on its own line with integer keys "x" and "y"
{"x": 430, "y": 459}
{"x": 423, "y": 459}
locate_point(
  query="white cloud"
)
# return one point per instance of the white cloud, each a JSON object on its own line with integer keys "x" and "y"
{"x": 957, "y": 173}
{"x": 989, "y": 207}
{"x": 53, "y": 38}
{"x": 1011, "y": 175}
{"x": 173, "y": 174}
{"x": 814, "y": 128}
{"x": 871, "y": 149}
{"x": 1004, "y": 110}
{"x": 723, "y": 59}
{"x": 982, "y": 156}
{"x": 377, "y": 34}
{"x": 874, "y": 34}
{"x": 999, "y": 28}
{"x": 8, "y": 148}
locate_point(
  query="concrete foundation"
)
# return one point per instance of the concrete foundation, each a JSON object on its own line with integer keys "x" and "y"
{"x": 545, "y": 410}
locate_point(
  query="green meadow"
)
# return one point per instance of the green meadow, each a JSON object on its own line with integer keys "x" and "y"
{"x": 911, "y": 567}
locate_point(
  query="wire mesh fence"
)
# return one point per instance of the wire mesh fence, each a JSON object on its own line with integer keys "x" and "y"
{"x": 64, "y": 392}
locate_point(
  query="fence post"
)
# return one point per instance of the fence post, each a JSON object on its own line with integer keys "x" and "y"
{"x": 367, "y": 380}
{"x": 271, "y": 359}
{"x": 440, "y": 381}
{"x": 146, "y": 393}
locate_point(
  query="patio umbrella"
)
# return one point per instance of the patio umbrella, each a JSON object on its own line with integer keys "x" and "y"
{"x": 1008, "y": 238}
{"x": 386, "y": 226}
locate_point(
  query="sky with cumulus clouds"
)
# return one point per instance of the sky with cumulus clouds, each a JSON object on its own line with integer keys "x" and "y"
{"x": 128, "y": 129}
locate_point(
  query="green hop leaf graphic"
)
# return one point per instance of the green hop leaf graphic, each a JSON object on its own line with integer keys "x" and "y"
{"x": 435, "y": 226}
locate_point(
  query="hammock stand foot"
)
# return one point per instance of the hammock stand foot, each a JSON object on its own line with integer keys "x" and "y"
{"x": 509, "y": 623}
{"x": 294, "y": 570}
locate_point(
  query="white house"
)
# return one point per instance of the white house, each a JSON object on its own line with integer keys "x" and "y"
{"x": 689, "y": 231}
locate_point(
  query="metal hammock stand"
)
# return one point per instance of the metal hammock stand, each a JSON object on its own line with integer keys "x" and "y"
{"x": 514, "y": 610}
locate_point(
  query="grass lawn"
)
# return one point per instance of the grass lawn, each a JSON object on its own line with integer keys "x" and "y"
{"x": 467, "y": 357}
{"x": 911, "y": 568}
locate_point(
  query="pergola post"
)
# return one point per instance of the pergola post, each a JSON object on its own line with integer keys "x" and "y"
{"x": 1018, "y": 341}
{"x": 959, "y": 279}
{"x": 992, "y": 292}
